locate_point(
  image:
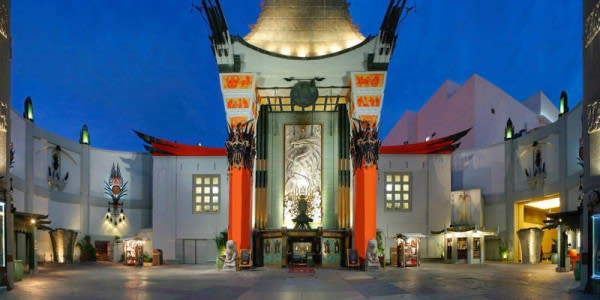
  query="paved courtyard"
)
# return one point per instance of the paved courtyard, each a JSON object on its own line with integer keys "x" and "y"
{"x": 430, "y": 281}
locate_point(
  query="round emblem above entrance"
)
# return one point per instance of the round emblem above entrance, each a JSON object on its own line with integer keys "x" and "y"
{"x": 304, "y": 93}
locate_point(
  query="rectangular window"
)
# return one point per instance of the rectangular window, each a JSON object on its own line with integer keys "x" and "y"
{"x": 397, "y": 191}
{"x": 206, "y": 193}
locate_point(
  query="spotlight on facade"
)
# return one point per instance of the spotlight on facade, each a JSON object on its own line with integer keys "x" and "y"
{"x": 84, "y": 135}
{"x": 28, "y": 112}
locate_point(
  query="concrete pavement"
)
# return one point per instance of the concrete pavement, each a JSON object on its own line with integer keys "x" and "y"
{"x": 430, "y": 281}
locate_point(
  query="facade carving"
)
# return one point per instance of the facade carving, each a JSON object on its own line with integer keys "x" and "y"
{"x": 364, "y": 146}
{"x": 240, "y": 145}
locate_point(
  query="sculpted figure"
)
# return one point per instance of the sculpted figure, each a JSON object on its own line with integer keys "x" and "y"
{"x": 372, "y": 260}
{"x": 230, "y": 255}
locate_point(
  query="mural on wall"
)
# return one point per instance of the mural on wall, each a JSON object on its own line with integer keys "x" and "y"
{"x": 56, "y": 180}
{"x": 116, "y": 188}
{"x": 466, "y": 207}
{"x": 302, "y": 179}
{"x": 537, "y": 172}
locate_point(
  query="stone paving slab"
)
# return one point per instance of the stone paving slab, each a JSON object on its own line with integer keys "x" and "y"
{"x": 430, "y": 281}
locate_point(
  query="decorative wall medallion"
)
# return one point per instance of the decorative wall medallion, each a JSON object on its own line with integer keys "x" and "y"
{"x": 56, "y": 180}
{"x": 593, "y": 117}
{"x": 537, "y": 173}
{"x": 3, "y": 116}
{"x": 116, "y": 188}
{"x": 4, "y": 19}
{"x": 304, "y": 93}
{"x": 241, "y": 145}
{"x": 364, "y": 146}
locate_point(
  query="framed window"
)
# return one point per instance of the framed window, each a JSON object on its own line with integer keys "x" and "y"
{"x": 397, "y": 191}
{"x": 206, "y": 193}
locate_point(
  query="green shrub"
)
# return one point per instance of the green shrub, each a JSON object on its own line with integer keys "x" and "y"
{"x": 221, "y": 242}
{"x": 379, "y": 238}
{"x": 86, "y": 249}
{"x": 147, "y": 258}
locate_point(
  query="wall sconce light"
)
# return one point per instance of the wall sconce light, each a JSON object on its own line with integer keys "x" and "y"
{"x": 84, "y": 135}
{"x": 116, "y": 189}
{"x": 28, "y": 112}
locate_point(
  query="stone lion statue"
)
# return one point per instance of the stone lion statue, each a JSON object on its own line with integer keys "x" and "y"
{"x": 230, "y": 255}
{"x": 372, "y": 260}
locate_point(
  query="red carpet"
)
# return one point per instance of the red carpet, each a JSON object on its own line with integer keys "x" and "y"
{"x": 301, "y": 270}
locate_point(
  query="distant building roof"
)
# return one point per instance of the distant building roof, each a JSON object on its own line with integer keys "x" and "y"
{"x": 304, "y": 28}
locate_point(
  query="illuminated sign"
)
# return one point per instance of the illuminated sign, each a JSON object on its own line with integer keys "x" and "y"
{"x": 596, "y": 246}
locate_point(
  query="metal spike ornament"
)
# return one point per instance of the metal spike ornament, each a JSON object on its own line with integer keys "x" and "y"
{"x": 116, "y": 189}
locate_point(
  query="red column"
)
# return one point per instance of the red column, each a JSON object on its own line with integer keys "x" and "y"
{"x": 365, "y": 204}
{"x": 240, "y": 209}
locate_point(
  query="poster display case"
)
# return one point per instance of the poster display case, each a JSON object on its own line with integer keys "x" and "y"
{"x": 409, "y": 249}
{"x": 134, "y": 252}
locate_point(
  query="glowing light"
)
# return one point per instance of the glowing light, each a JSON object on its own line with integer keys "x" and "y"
{"x": 286, "y": 50}
{"x": 32, "y": 221}
{"x": 321, "y": 51}
{"x": 302, "y": 52}
{"x": 335, "y": 48}
{"x": 545, "y": 204}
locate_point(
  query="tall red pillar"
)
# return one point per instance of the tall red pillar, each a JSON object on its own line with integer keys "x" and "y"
{"x": 365, "y": 205}
{"x": 240, "y": 207}
{"x": 241, "y": 151}
{"x": 364, "y": 148}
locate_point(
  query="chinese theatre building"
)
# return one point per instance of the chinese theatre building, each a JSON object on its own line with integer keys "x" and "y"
{"x": 303, "y": 94}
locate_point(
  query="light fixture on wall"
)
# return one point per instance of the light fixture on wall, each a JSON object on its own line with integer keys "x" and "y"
{"x": 116, "y": 189}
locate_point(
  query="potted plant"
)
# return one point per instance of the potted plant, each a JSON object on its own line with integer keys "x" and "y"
{"x": 380, "y": 250}
{"x": 221, "y": 243}
{"x": 147, "y": 260}
{"x": 503, "y": 251}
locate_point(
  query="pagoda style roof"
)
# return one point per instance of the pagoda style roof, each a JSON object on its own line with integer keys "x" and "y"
{"x": 162, "y": 147}
{"x": 443, "y": 145}
{"x": 306, "y": 28}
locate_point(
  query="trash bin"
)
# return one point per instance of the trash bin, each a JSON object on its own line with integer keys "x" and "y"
{"x": 157, "y": 257}
{"x": 531, "y": 241}
{"x": 18, "y": 270}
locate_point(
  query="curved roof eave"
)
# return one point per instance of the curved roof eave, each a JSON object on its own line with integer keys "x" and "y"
{"x": 242, "y": 41}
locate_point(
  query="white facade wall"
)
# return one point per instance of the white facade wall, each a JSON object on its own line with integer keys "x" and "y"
{"x": 75, "y": 207}
{"x": 430, "y": 204}
{"x": 178, "y": 231}
{"x": 477, "y": 104}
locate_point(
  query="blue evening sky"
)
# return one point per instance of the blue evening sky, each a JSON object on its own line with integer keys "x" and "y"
{"x": 118, "y": 65}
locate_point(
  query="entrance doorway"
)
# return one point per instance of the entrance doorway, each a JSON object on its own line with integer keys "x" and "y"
{"x": 532, "y": 213}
